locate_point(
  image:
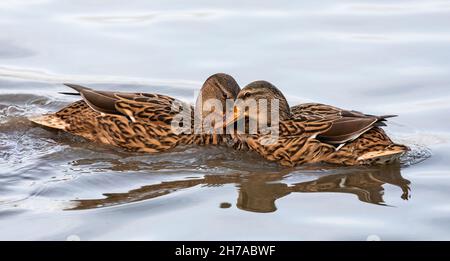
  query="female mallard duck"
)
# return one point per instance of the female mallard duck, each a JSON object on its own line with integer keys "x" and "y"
{"x": 141, "y": 122}
{"x": 312, "y": 133}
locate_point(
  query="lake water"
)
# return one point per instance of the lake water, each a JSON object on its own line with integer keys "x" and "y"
{"x": 380, "y": 57}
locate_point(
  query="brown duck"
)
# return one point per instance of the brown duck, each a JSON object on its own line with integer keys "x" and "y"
{"x": 313, "y": 132}
{"x": 139, "y": 122}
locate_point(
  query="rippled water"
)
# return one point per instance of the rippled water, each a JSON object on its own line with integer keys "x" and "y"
{"x": 380, "y": 57}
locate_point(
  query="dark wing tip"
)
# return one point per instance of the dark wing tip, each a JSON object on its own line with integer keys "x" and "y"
{"x": 387, "y": 116}
{"x": 76, "y": 87}
{"x": 70, "y": 93}
{"x": 100, "y": 102}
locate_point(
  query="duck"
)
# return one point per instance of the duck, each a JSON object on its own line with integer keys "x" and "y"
{"x": 311, "y": 132}
{"x": 142, "y": 122}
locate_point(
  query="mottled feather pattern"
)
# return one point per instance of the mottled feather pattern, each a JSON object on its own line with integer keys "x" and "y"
{"x": 290, "y": 151}
{"x": 150, "y": 132}
{"x": 298, "y": 143}
{"x": 375, "y": 140}
{"x": 80, "y": 119}
{"x": 315, "y": 111}
{"x": 295, "y": 145}
{"x": 157, "y": 113}
{"x": 310, "y": 133}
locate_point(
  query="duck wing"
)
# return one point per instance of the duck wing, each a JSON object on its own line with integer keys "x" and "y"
{"x": 347, "y": 125}
{"x": 322, "y": 110}
{"x": 315, "y": 111}
{"x": 347, "y": 129}
{"x": 132, "y": 105}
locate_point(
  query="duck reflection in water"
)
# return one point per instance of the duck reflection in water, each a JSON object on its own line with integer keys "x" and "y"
{"x": 259, "y": 191}
{"x": 367, "y": 185}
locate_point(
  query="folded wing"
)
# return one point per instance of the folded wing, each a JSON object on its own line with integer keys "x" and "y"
{"x": 346, "y": 125}
{"x": 133, "y": 105}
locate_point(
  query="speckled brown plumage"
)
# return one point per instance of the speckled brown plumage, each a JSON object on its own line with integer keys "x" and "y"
{"x": 318, "y": 133}
{"x": 309, "y": 133}
{"x": 374, "y": 142}
{"x": 138, "y": 122}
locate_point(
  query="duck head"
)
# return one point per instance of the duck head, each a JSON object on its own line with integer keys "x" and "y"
{"x": 218, "y": 90}
{"x": 256, "y": 102}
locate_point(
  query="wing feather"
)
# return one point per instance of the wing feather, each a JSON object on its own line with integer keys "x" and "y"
{"x": 137, "y": 106}
{"x": 346, "y": 125}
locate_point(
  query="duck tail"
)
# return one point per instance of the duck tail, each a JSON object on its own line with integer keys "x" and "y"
{"x": 381, "y": 120}
{"x": 50, "y": 121}
{"x": 385, "y": 117}
{"x": 70, "y": 93}
{"x": 78, "y": 88}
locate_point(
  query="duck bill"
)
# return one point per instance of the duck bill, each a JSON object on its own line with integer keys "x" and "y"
{"x": 227, "y": 121}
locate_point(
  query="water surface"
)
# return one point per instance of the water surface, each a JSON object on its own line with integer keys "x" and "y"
{"x": 380, "y": 57}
